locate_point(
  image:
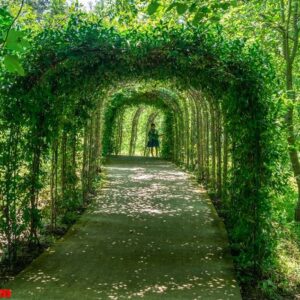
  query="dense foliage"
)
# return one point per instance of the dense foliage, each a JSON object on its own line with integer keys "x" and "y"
{"x": 219, "y": 97}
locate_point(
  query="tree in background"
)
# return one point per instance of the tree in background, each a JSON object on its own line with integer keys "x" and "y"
{"x": 40, "y": 6}
{"x": 275, "y": 25}
{"x": 58, "y": 7}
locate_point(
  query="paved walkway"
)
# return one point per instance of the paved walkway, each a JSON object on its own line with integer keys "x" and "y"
{"x": 150, "y": 233}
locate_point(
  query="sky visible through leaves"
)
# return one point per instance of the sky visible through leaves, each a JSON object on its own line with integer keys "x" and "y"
{"x": 87, "y": 3}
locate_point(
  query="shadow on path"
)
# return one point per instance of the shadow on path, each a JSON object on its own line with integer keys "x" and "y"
{"x": 150, "y": 233}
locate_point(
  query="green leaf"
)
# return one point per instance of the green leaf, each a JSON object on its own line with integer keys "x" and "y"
{"x": 200, "y": 14}
{"x": 224, "y": 5}
{"x": 171, "y": 6}
{"x": 181, "y": 8}
{"x": 197, "y": 18}
{"x": 15, "y": 41}
{"x": 204, "y": 9}
{"x": 215, "y": 18}
{"x": 13, "y": 65}
{"x": 193, "y": 7}
{"x": 153, "y": 7}
{"x": 5, "y": 19}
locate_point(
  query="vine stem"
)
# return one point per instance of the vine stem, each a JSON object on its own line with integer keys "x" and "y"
{"x": 12, "y": 24}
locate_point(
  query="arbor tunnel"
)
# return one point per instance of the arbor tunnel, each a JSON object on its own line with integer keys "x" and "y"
{"x": 62, "y": 119}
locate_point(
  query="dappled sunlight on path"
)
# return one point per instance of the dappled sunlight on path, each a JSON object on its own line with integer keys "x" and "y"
{"x": 150, "y": 233}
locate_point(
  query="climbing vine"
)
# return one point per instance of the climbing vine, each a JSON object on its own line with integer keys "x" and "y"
{"x": 57, "y": 123}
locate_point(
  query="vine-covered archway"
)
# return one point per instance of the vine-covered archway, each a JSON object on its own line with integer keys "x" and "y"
{"x": 161, "y": 99}
{"x": 216, "y": 95}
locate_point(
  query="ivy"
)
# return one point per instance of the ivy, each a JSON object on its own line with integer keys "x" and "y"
{"x": 77, "y": 73}
{"x": 12, "y": 64}
{"x": 153, "y": 7}
{"x": 12, "y": 41}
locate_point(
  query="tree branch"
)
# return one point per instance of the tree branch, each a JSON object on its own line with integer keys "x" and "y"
{"x": 296, "y": 31}
{"x": 289, "y": 13}
{"x": 12, "y": 24}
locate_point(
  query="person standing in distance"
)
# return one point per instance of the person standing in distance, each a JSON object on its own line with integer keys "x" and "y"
{"x": 153, "y": 140}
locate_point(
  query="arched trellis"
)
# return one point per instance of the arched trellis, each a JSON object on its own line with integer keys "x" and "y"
{"x": 138, "y": 129}
{"x": 155, "y": 98}
{"x": 64, "y": 83}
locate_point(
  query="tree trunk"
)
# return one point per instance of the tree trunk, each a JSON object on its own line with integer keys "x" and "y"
{"x": 292, "y": 141}
{"x": 134, "y": 127}
{"x": 290, "y": 45}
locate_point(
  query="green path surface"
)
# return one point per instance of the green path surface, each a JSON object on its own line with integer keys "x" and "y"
{"x": 150, "y": 233}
